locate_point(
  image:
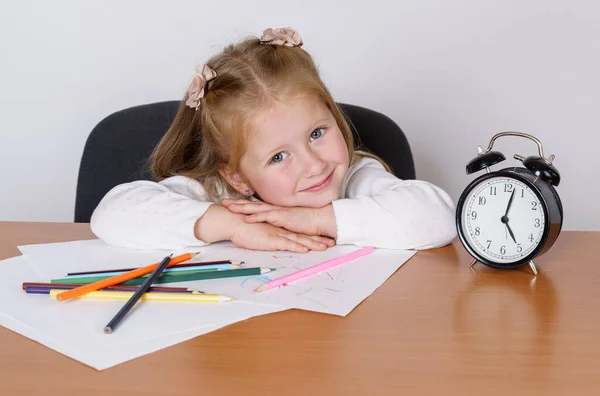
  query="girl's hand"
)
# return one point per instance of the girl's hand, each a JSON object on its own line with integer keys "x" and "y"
{"x": 264, "y": 236}
{"x": 220, "y": 224}
{"x": 307, "y": 221}
{"x": 247, "y": 207}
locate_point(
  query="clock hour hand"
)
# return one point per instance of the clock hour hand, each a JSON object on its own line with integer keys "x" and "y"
{"x": 504, "y": 221}
{"x": 511, "y": 233}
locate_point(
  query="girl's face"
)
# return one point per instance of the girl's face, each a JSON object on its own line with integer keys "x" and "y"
{"x": 296, "y": 154}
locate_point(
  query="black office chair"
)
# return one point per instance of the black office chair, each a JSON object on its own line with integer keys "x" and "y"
{"x": 118, "y": 148}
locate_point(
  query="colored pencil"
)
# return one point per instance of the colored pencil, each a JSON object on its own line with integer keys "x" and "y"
{"x": 315, "y": 269}
{"x": 197, "y": 264}
{"x": 135, "y": 296}
{"x": 165, "y": 278}
{"x": 46, "y": 289}
{"x": 25, "y": 285}
{"x": 170, "y": 297}
{"x": 189, "y": 270}
{"x": 90, "y": 279}
{"x": 175, "y": 268}
{"x": 118, "y": 279}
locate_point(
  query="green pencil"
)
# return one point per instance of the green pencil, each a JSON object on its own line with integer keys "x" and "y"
{"x": 90, "y": 279}
{"x": 170, "y": 278}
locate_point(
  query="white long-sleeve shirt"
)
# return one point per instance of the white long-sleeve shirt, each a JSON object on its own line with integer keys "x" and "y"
{"x": 374, "y": 209}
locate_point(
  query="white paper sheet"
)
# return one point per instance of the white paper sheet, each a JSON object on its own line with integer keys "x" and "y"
{"x": 74, "y": 327}
{"x": 110, "y": 356}
{"x": 337, "y": 291}
{"x": 54, "y": 260}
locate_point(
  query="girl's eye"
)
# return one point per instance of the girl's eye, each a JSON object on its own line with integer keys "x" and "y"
{"x": 317, "y": 133}
{"x": 278, "y": 157}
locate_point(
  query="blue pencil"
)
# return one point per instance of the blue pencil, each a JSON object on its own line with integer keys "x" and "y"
{"x": 137, "y": 295}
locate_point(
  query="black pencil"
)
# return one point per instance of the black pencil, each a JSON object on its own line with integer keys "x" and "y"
{"x": 136, "y": 296}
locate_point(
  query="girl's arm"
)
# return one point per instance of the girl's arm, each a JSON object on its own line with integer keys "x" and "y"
{"x": 174, "y": 214}
{"x": 149, "y": 215}
{"x": 384, "y": 211}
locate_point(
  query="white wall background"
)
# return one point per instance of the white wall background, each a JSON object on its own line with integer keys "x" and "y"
{"x": 450, "y": 73}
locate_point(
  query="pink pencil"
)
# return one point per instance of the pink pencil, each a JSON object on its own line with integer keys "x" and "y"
{"x": 315, "y": 269}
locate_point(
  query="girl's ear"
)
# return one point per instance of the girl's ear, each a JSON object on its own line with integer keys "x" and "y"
{"x": 235, "y": 180}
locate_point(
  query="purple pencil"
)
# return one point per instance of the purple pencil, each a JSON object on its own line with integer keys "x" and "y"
{"x": 46, "y": 289}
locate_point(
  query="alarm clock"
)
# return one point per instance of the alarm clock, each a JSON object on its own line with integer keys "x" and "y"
{"x": 507, "y": 217}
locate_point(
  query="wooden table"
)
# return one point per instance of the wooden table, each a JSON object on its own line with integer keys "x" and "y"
{"x": 434, "y": 327}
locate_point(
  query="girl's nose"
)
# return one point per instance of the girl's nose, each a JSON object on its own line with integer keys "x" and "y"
{"x": 314, "y": 164}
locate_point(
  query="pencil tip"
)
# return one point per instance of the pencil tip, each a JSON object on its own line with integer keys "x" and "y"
{"x": 260, "y": 288}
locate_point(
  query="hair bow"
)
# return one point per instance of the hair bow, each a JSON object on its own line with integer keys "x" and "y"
{"x": 282, "y": 36}
{"x": 195, "y": 89}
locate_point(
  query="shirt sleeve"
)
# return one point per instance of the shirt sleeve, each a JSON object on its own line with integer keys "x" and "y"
{"x": 383, "y": 211}
{"x": 150, "y": 215}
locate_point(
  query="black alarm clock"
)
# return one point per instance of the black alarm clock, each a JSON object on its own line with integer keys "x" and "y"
{"x": 508, "y": 217}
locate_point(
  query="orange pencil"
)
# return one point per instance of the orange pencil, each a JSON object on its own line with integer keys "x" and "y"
{"x": 115, "y": 280}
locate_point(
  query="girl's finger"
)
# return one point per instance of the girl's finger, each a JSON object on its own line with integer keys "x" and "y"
{"x": 241, "y": 208}
{"x": 281, "y": 242}
{"x": 327, "y": 241}
{"x": 229, "y": 201}
{"x": 307, "y": 241}
{"x": 236, "y": 208}
{"x": 257, "y": 217}
{"x": 273, "y": 217}
{"x": 250, "y": 208}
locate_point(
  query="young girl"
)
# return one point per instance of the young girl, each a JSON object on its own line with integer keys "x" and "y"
{"x": 260, "y": 154}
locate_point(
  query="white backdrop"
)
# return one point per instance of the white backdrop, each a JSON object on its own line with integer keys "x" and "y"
{"x": 450, "y": 73}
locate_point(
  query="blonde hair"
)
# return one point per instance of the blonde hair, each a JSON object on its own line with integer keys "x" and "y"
{"x": 201, "y": 141}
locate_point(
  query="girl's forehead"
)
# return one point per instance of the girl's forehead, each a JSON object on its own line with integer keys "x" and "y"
{"x": 283, "y": 121}
{"x": 293, "y": 113}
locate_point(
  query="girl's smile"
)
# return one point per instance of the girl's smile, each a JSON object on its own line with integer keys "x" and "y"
{"x": 320, "y": 186}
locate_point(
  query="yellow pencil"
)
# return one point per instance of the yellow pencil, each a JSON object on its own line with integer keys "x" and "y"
{"x": 153, "y": 296}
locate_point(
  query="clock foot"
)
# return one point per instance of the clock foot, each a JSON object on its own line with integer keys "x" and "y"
{"x": 473, "y": 262}
{"x": 532, "y": 266}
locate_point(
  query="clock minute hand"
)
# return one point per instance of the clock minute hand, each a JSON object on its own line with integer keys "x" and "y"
{"x": 510, "y": 202}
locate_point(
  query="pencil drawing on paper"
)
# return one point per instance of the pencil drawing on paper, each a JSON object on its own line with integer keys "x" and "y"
{"x": 260, "y": 278}
{"x": 314, "y": 294}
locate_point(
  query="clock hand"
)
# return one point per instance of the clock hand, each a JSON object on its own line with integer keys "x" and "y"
{"x": 511, "y": 233}
{"x": 510, "y": 201}
{"x": 504, "y": 221}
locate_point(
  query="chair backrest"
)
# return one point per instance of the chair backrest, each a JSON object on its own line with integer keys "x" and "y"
{"x": 118, "y": 148}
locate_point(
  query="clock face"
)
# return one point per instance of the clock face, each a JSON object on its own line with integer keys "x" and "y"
{"x": 502, "y": 219}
